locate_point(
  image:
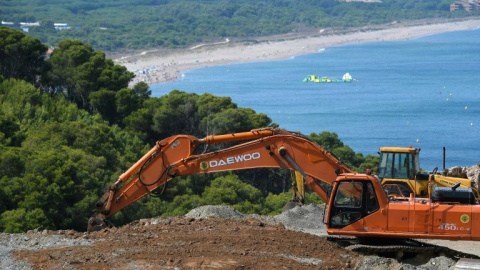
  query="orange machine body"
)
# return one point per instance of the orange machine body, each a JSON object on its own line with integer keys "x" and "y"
{"x": 402, "y": 218}
{"x": 357, "y": 204}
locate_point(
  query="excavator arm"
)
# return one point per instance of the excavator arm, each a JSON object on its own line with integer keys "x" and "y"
{"x": 260, "y": 148}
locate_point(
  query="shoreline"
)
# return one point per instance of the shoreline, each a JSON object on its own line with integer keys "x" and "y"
{"x": 159, "y": 66}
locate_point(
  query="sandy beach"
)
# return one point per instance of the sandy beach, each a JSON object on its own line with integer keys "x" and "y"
{"x": 157, "y": 66}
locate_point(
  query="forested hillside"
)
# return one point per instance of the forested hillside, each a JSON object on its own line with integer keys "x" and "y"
{"x": 69, "y": 126}
{"x": 127, "y": 24}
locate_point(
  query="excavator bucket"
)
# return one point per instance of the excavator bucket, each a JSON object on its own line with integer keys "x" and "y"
{"x": 97, "y": 224}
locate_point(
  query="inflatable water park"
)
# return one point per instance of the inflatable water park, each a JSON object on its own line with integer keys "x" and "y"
{"x": 312, "y": 78}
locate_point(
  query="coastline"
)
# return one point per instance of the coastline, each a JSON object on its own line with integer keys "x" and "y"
{"x": 158, "y": 66}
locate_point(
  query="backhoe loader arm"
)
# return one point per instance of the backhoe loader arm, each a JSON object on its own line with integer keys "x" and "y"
{"x": 262, "y": 148}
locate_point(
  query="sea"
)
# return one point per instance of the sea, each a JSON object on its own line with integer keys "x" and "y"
{"x": 423, "y": 92}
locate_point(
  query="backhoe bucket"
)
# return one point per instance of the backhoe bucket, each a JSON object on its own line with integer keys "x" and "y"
{"x": 97, "y": 224}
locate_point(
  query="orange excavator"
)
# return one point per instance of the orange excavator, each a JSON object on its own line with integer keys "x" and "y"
{"x": 356, "y": 204}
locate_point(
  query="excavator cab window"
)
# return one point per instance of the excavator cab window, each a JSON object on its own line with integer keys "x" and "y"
{"x": 372, "y": 202}
{"x": 353, "y": 200}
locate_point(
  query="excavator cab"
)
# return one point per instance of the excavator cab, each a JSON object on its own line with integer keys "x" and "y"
{"x": 357, "y": 206}
{"x": 353, "y": 200}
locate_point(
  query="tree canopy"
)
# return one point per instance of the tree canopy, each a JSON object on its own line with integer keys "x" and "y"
{"x": 69, "y": 133}
{"x": 22, "y": 56}
{"x": 76, "y": 70}
{"x": 126, "y": 24}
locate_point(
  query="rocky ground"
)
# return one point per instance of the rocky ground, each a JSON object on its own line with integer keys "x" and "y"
{"x": 209, "y": 237}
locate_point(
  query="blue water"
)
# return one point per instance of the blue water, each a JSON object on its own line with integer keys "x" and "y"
{"x": 423, "y": 92}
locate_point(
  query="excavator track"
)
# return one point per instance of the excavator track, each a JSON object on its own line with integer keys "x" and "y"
{"x": 454, "y": 254}
{"x": 397, "y": 248}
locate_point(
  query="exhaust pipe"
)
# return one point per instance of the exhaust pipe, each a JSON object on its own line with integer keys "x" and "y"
{"x": 444, "y": 157}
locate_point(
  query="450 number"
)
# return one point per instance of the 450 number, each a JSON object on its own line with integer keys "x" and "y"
{"x": 452, "y": 227}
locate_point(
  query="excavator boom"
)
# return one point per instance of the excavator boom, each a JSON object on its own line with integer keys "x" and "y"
{"x": 261, "y": 148}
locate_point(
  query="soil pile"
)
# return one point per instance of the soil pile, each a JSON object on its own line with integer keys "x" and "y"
{"x": 188, "y": 243}
{"x": 209, "y": 237}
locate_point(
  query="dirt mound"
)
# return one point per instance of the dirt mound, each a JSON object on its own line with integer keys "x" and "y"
{"x": 188, "y": 243}
{"x": 308, "y": 218}
{"x": 34, "y": 240}
{"x": 219, "y": 211}
{"x": 209, "y": 237}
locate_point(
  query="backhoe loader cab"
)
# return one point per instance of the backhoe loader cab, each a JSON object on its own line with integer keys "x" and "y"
{"x": 401, "y": 166}
{"x": 398, "y": 163}
{"x": 400, "y": 174}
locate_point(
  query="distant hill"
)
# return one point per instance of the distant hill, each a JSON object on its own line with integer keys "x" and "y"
{"x": 111, "y": 25}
